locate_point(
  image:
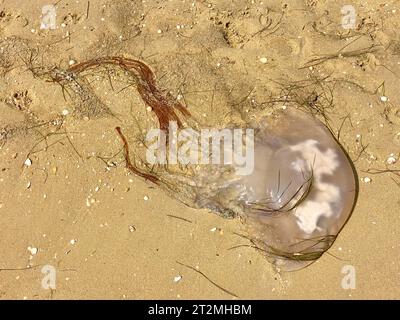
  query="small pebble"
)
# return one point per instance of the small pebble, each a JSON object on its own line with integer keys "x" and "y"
{"x": 146, "y": 198}
{"x": 177, "y": 278}
{"x": 33, "y": 250}
{"x": 263, "y": 60}
{"x": 28, "y": 162}
{"x": 391, "y": 160}
{"x": 73, "y": 241}
{"x": 367, "y": 180}
{"x": 384, "y": 98}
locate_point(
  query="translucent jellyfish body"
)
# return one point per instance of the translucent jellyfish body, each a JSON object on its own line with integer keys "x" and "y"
{"x": 294, "y": 202}
{"x": 299, "y": 195}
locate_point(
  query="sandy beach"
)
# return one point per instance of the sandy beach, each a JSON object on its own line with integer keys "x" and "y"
{"x": 68, "y": 202}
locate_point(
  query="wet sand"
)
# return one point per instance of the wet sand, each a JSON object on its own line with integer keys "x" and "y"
{"x": 110, "y": 234}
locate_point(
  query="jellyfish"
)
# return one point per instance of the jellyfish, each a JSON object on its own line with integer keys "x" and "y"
{"x": 294, "y": 202}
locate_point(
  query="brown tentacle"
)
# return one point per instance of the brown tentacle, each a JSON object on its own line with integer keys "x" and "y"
{"x": 162, "y": 104}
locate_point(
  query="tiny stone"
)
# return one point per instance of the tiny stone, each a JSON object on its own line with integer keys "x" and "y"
{"x": 391, "y": 160}
{"x": 65, "y": 112}
{"x": 33, "y": 251}
{"x": 28, "y": 162}
{"x": 177, "y": 278}
{"x": 384, "y": 98}
{"x": 146, "y": 198}
{"x": 263, "y": 60}
{"x": 367, "y": 180}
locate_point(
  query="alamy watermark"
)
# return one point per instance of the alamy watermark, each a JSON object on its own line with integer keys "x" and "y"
{"x": 207, "y": 146}
{"x": 349, "y": 280}
{"x": 49, "y": 280}
{"x": 49, "y": 17}
{"x": 349, "y": 17}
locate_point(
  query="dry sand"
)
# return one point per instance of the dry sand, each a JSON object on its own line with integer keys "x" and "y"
{"x": 126, "y": 244}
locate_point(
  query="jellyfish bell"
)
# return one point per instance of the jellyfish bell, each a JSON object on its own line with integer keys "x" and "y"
{"x": 299, "y": 195}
